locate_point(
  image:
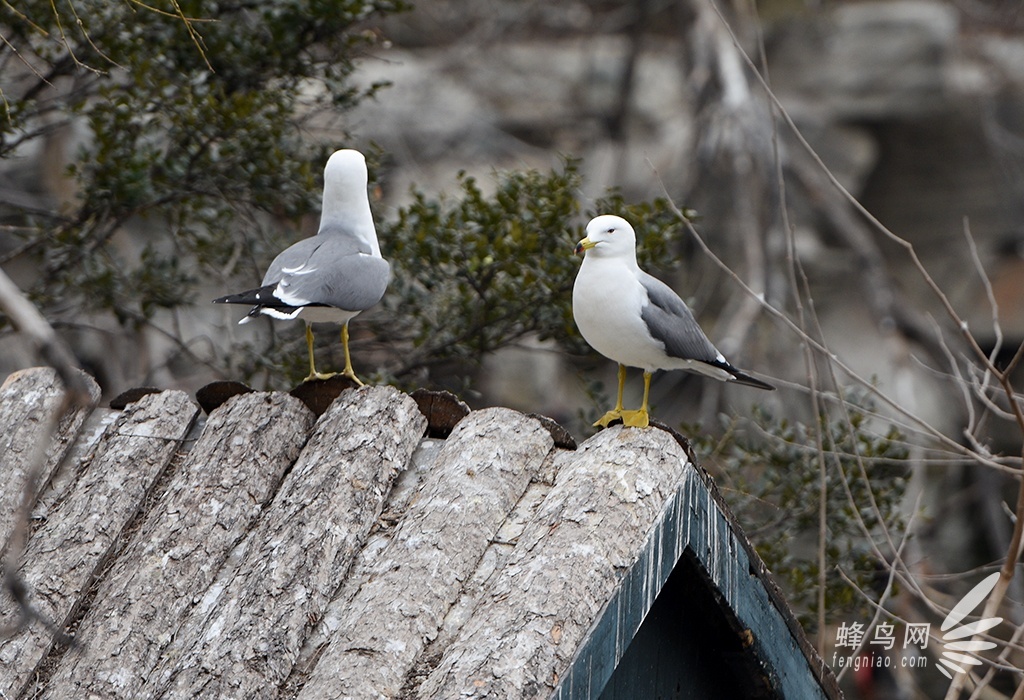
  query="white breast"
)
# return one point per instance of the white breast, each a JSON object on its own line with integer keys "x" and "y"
{"x": 607, "y": 302}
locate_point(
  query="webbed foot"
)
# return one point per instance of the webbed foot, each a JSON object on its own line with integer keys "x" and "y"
{"x": 636, "y": 419}
{"x": 318, "y": 376}
{"x": 605, "y": 420}
{"x": 350, "y": 373}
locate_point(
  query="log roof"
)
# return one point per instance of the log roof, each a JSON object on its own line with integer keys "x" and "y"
{"x": 264, "y": 552}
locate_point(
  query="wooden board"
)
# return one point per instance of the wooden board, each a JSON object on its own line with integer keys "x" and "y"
{"x": 243, "y": 641}
{"x": 216, "y": 495}
{"x": 397, "y": 601}
{"x": 85, "y": 528}
{"x": 28, "y": 402}
{"x": 567, "y": 563}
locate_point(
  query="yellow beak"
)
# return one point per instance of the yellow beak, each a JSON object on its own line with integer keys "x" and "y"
{"x": 585, "y": 244}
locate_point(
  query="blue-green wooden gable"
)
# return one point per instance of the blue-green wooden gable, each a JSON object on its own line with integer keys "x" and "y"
{"x": 722, "y": 628}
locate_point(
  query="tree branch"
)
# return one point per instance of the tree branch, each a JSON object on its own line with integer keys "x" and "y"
{"x": 77, "y": 394}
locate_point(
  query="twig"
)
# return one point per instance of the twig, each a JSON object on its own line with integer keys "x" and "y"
{"x": 812, "y": 375}
{"x": 1012, "y": 556}
{"x": 997, "y": 327}
{"x": 886, "y": 592}
{"x": 88, "y": 38}
{"x": 1003, "y": 659}
{"x": 27, "y": 319}
{"x": 1008, "y": 569}
{"x": 906, "y": 245}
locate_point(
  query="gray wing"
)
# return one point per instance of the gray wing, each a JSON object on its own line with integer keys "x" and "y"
{"x": 670, "y": 320}
{"x": 333, "y": 271}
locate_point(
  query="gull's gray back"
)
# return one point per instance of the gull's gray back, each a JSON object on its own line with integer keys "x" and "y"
{"x": 670, "y": 320}
{"x": 336, "y": 270}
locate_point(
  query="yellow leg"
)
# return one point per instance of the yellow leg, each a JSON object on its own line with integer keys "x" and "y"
{"x": 348, "y": 371}
{"x": 640, "y": 418}
{"x": 617, "y": 411}
{"x": 313, "y": 374}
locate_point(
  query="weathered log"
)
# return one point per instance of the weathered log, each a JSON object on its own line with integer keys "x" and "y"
{"x": 85, "y": 527}
{"x": 295, "y": 559}
{"x": 564, "y": 567}
{"x": 404, "y": 491}
{"x": 28, "y": 401}
{"x": 487, "y": 572}
{"x": 398, "y": 602}
{"x": 211, "y": 503}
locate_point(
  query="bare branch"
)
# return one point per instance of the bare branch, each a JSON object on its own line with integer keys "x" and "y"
{"x": 27, "y": 319}
{"x": 901, "y": 242}
{"x": 997, "y": 328}
{"x": 886, "y": 592}
{"x": 984, "y": 360}
{"x": 1013, "y": 552}
{"x": 77, "y": 395}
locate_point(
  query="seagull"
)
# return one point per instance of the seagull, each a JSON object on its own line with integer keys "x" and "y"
{"x": 636, "y": 319}
{"x": 332, "y": 276}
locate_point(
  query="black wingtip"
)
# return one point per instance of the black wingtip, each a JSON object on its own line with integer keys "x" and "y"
{"x": 251, "y": 296}
{"x": 232, "y": 299}
{"x": 746, "y": 380}
{"x": 741, "y": 377}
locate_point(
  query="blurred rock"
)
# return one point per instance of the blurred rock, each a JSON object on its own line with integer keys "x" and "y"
{"x": 888, "y": 59}
{"x": 915, "y": 109}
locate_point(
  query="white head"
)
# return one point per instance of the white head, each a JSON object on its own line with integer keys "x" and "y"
{"x": 609, "y": 236}
{"x": 346, "y": 205}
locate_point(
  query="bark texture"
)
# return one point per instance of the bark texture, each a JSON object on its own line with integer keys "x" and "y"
{"x": 281, "y": 556}
{"x": 402, "y": 597}
{"x": 28, "y": 401}
{"x": 566, "y": 564}
{"x": 231, "y": 472}
{"x": 244, "y": 639}
{"x": 84, "y": 528}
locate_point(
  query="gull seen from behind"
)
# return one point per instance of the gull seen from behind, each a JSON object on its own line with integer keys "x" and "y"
{"x": 332, "y": 276}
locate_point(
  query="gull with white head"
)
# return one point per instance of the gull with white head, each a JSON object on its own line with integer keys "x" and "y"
{"x": 636, "y": 319}
{"x": 334, "y": 275}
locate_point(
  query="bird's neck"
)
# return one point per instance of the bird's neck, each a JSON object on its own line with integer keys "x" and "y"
{"x": 349, "y": 209}
{"x": 597, "y": 259}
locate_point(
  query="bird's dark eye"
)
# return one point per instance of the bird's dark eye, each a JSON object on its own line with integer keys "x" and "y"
{"x": 611, "y": 230}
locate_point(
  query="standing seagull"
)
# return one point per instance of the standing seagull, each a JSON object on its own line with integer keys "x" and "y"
{"x": 636, "y": 319}
{"x": 334, "y": 275}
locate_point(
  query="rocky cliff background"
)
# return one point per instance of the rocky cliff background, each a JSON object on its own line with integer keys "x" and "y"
{"x": 914, "y": 106}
